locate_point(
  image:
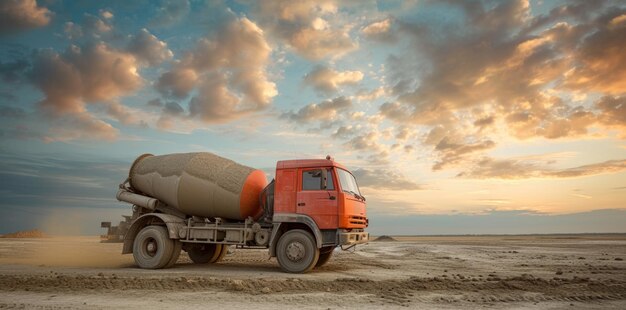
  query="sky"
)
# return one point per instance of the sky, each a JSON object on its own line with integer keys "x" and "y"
{"x": 475, "y": 117}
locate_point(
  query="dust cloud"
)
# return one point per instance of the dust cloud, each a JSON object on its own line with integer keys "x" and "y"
{"x": 65, "y": 251}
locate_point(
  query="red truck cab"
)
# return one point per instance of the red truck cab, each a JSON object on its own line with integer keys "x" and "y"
{"x": 327, "y": 193}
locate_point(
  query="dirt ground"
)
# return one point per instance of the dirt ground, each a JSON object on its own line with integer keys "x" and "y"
{"x": 513, "y": 272}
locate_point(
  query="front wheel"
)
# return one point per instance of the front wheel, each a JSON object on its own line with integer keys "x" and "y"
{"x": 296, "y": 251}
{"x": 153, "y": 248}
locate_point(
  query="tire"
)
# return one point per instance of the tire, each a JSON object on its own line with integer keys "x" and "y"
{"x": 153, "y": 248}
{"x": 296, "y": 251}
{"x": 222, "y": 254}
{"x": 175, "y": 254}
{"x": 205, "y": 253}
{"x": 325, "y": 255}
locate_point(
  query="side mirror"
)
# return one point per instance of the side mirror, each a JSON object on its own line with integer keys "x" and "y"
{"x": 324, "y": 178}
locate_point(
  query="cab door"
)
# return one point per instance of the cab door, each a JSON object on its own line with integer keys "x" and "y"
{"x": 316, "y": 202}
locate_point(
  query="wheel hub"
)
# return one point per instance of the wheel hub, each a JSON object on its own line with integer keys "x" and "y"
{"x": 151, "y": 247}
{"x": 295, "y": 251}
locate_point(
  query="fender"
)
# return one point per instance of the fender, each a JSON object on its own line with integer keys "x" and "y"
{"x": 283, "y": 219}
{"x": 172, "y": 222}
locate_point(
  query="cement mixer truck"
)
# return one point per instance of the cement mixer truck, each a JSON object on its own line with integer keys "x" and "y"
{"x": 202, "y": 203}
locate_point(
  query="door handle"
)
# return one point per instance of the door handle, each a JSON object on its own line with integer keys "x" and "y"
{"x": 332, "y": 197}
{"x": 300, "y": 204}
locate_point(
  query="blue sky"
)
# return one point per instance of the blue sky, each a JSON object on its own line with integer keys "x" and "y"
{"x": 469, "y": 115}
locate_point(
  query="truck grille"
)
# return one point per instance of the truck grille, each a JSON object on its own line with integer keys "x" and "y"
{"x": 358, "y": 220}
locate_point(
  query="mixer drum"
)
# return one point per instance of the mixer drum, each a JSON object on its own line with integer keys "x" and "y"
{"x": 200, "y": 184}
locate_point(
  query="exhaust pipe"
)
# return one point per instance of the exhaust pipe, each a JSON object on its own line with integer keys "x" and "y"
{"x": 139, "y": 200}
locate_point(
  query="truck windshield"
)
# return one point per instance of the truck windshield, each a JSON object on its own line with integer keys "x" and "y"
{"x": 348, "y": 183}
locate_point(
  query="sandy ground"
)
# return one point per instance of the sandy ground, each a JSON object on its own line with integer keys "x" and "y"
{"x": 513, "y": 272}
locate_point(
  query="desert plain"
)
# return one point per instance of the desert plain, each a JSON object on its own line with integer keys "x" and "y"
{"x": 424, "y": 272}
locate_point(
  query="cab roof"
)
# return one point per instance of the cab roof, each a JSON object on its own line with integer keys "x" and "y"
{"x": 308, "y": 163}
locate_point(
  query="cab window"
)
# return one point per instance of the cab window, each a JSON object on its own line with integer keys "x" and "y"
{"x": 312, "y": 180}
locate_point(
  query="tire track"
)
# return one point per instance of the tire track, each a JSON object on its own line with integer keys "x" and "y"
{"x": 524, "y": 288}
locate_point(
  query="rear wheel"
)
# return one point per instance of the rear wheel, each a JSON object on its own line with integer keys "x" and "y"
{"x": 175, "y": 254}
{"x": 325, "y": 255}
{"x": 152, "y": 248}
{"x": 222, "y": 253}
{"x": 296, "y": 251}
{"x": 205, "y": 253}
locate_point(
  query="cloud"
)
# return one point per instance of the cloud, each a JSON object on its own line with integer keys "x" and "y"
{"x": 214, "y": 101}
{"x": 369, "y": 95}
{"x": 169, "y": 107}
{"x": 613, "y": 111}
{"x": 451, "y": 152}
{"x": 380, "y": 31}
{"x": 453, "y": 148}
{"x": 149, "y": 49}
{"x": 171, "y": 112}
{"x": 346, "y": 132}
{"x": 324, "y": 111}
{"x": 171, "y": 12}
{"x": 72, "y": 30}
{"x": 484, "y": 122}
{"x": 518, "y": 84}
{"x": 173, "y": 108}
{"x": 106, "y": 14}
{"x": 228, "y": 72}
{"x": 610, "y": 166}
{"x": 91, "y": 26}
{"x": 327, "y": 80}
{"x": 178, "y": 82}
{"x": 310, "y": 27}
{"x": 510, "y": 72}
{"x": 383, "y": 179}
{"x": 94, "y": 25}
{"x": 600, "y": 64}
{"x": 20, "y": 15}
{"x": 80, "y": 126}
{"x": 94, "y": 73}
{"x": 404, "y": 133}
{"x": 124, "y": 114}
{"x": 368, "y": 142}
{"x": 379, "y": 27}
{"x": 489, "y": 168}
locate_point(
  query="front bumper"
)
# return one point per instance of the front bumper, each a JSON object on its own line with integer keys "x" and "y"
{"x": 350, "y": 238}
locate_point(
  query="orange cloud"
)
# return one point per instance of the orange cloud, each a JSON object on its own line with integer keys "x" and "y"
{"x": 489, "y": 168}
{"x": 613, "y": 112}
{"x": 383, "y": 178}
{"x": 324, "y": 111}
{"x": 89, "y": 74}
{"x": 94, "y": 73}
{"x": 600, "y": 62}
{"x": 381, "y": 31}
{"x": 149, "y": 49}
{"x": 328, "y": 80}
{"x": 304, "y": 26}
{"x": 516, "y": 64}
{"x": 228, "y": 70}
{"x": 19, "y": 15}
